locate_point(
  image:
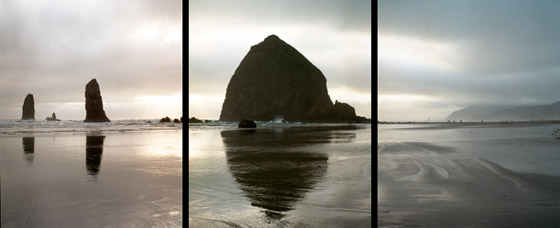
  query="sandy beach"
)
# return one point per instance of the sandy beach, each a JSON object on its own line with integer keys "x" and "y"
{"x": 91, "y": 178}
{"x": 478, "y": 175}
{"x": 310, "y": 176}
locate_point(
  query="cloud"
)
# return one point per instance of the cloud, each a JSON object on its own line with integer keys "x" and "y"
{"x": 502, "y": 52}
{"x": 499, "y": 36}
{"x": 343, "y": 15}
{"x": 51, "y": 50}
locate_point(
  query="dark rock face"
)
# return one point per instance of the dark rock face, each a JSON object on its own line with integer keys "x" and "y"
{"x": 247, "y": 124}
{"x": 94, "y": 104}
{"x": 28, "y": 108}
{"x": 343, "y": 111}
{"x": 52, "y": 118}
{"x": 275, "y": 79}
{"x": 165, "y": 120}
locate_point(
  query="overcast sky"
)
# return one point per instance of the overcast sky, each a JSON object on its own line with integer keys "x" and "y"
{"x": 435, "y": 57}
{"x": 334, "y": 35}
{"x": 52, "y": 49}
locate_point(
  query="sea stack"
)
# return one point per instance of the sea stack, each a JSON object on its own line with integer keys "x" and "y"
{"x": 28, "y": 108}
{"x": 247, "y": 124}
{"x": 94, "y": 104}
{"x": 275, "y": 79}
{"x": 52, "y": 118}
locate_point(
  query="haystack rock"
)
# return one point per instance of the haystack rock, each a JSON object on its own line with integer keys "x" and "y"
{"x": 275, "y": 79}
{"x": 28, "y": 108}
{"x": 94, "y": 104}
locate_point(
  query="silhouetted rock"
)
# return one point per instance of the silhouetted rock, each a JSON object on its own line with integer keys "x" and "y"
{"x": 52, "y": 118}
{"x": 344, "y": 111}
{"x": 361, "y": 119}
{"x": 28, "y": 108}
{"x": 275, "y": 79}
{"x": 247, "y": 124}
{"x": 194, "y": 120}
{"x": 165, "y": 120}
{"x": 181, "y": 119}
{"x": 94, "y": 104}
{"x": 176, "y": 121}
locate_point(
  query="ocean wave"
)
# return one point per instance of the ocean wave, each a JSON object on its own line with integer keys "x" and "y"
{"x": 26, "y": 127}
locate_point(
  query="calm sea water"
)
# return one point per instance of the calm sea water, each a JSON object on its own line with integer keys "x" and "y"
{"x": 73, "y": 174}
{"x": 289, "y": 175}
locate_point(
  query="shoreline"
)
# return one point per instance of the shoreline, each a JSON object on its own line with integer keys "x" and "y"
{"x": 472, "y": 122}
{"x": 47, "y": 128}
{"x": 447, "y": 125}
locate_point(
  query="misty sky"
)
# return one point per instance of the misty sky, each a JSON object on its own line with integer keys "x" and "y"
{"x": 52, "y": 49}
{"x": 334, "y": 35}
{"x": 435, "y": 57}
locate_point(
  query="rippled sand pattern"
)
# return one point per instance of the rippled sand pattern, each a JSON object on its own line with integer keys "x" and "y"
{"x": 472, "y": 177}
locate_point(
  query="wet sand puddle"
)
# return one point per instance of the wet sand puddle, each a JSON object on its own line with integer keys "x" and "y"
{"x": 92, "y": 181}
{"x": 423, "y": 184}
{"x": 276, "y": 176}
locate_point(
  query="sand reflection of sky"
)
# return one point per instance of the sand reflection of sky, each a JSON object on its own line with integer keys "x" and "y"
{"x": 203, "y": 143}
{"x": 162, "y": 145}
{"x": 91, "y": 179}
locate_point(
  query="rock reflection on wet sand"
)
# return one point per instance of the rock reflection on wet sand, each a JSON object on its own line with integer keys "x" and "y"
{"x": 273, "y": 178}
{"x": 273, "y": 171}
{"x": 54, "y": 187}
{"x": 94, "y": 153}
{"x": 290, "y": 176}
{"x": 28, "y": 149}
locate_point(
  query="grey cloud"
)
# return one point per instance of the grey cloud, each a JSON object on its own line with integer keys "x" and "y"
{"x": 499, "y": 36}
{"x": 53, "y": 50}
{"x": 345, "y": 15}
{"x": 508, "y": 51}
{"x": 537, "y": 87}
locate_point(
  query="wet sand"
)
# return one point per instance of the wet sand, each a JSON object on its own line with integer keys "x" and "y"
{"x": 280, "y": 177}
{"x": 92, "y": 179}
{"x": 491, "y": 176}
